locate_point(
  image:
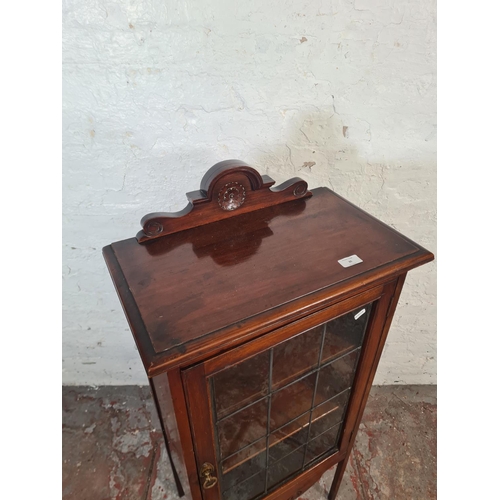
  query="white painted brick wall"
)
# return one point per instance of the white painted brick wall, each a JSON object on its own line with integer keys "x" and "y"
{"x": 340, "y": 93}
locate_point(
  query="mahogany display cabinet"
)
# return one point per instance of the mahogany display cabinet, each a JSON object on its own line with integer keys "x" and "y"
{"x": 260, "y": 314}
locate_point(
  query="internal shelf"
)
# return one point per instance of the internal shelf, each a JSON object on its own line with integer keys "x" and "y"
{"x": 287, "y": 431}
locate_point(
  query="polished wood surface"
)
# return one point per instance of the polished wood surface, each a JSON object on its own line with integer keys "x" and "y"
{"x": 229, "y": 188}
{"x": 205, "y": 284}
{"x": 162, "y": 396}
{"x": 279, "y": 335}
{"x": 197, "y": 384}
{"x": 240, "y": 274}
{"x": 184, "y": 430}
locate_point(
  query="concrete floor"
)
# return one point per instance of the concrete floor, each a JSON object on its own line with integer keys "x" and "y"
{"x": 113, "y": 449}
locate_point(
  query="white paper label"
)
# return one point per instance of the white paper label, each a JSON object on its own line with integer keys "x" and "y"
{"x": 350, "y": 261}
{"x": 360, "y": 314}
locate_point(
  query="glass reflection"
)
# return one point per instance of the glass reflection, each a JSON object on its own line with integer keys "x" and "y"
{"x": 242, "y": 428}
{"x": 328, "y": 414}
{"x": 336, "y": 377}
{"x": 345, "y": 333}
{"x": 287, "y": 466}
{"x": 327, "y": 441}
{"x": 243, "y": 465}
{"x": 296, "y": 356}
{"x": 248, "y": 489}
{"x": 279, "y": 426}
{"x": 290, "y": 402}
{"x": 241, "y": 384}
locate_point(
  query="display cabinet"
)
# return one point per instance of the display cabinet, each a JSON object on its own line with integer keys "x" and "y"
{"x": 260, "y": 314}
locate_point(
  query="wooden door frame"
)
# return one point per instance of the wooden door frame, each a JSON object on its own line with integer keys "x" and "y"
{"x": 196, "y": 380}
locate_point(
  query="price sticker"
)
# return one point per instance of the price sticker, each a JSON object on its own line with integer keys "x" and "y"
{"x": 352, "y": 260}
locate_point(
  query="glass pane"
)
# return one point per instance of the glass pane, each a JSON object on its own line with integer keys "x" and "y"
{"x": 325, "y": 442}
{"x": 285, "y": 467}
{"x": 312, "y": 375}
{"x": 296, "y": 356}
{"x": 291, "y": 428}
{"x": 328, "y": 414}
{"x": 345, "y": 333}
{"x": 290, "y": 402}
{"x": 244, "y": 464}
{"x": 245, "y": 454}
{"x": 282, "y": 443}
{"x": 242, "y": 428}
{"x": 241, "y": 384}
{"x": 336, "y": 377}
{"x": 248, "y": 489}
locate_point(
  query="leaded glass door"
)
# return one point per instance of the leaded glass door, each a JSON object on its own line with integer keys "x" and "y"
{"x": 275, "y": 411}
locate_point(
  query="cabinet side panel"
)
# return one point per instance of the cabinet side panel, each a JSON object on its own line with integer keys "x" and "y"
{"x": 164, "y": 403}
{"x": 184, "y": 428}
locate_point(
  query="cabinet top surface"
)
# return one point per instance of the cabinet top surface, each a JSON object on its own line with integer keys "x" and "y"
{"x": 201, "y": 281}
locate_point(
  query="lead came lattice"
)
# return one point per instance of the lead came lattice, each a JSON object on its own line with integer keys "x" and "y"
{"x": 268, "y": 447}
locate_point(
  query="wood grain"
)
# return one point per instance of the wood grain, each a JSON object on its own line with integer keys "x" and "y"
{"x": 205, "y": 286}
{"x": 243, "y": 268}
{"x": 229, "y": 188}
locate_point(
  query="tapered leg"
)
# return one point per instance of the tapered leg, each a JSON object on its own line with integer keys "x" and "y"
{"x": 337, "y": 479}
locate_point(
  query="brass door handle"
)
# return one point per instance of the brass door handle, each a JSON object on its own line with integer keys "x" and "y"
{"x": 207, "y": 475}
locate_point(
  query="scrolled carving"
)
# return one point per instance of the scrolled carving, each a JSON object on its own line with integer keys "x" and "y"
{"x": 153, "y": 228}
{"x": 300, "y": 189}
{"x": 230, "y": 185}
{"x": 231, "y": 196}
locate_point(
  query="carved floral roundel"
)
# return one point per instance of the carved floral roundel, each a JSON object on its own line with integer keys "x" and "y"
{"x": 231, "y": 196}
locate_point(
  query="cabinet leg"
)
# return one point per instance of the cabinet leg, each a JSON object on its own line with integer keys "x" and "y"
{"x": 337, "y": 479}
{"x": 177, "y": 480}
